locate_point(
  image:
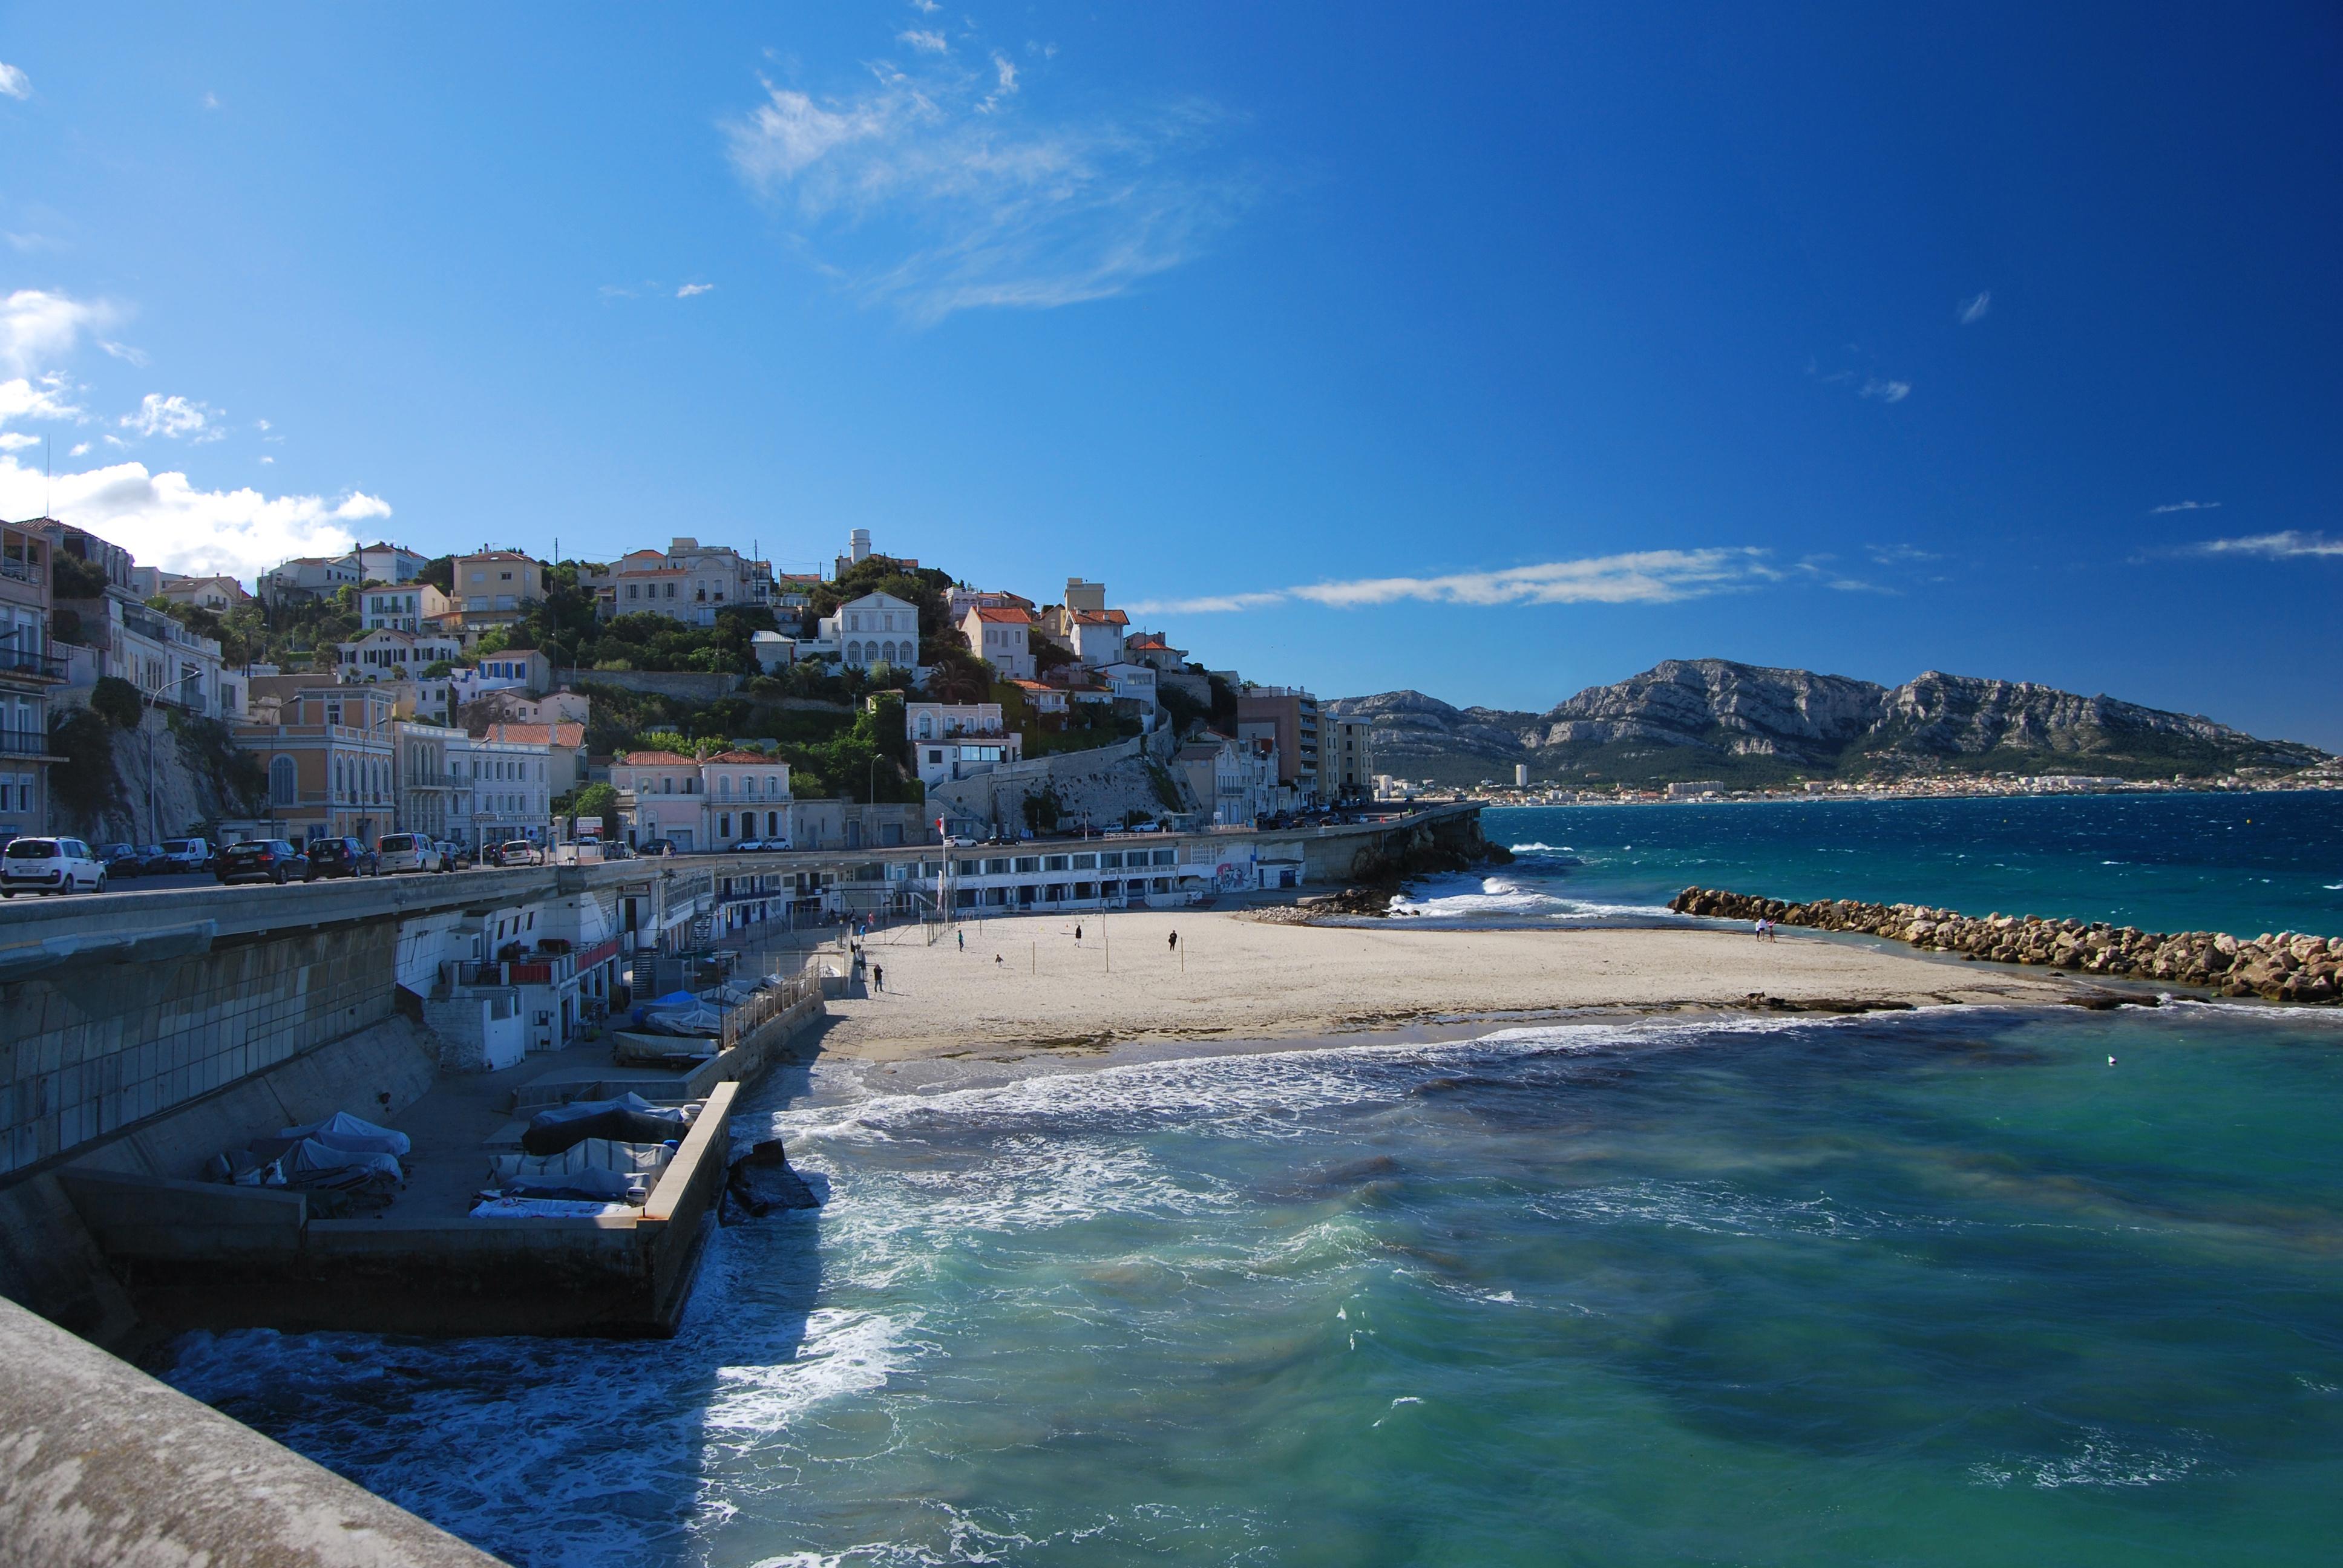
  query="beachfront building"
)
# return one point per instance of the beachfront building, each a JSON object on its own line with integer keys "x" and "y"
{"x": 563, "y": 744}
{"x": 711, "y": 803}
{"x": 876, "y": 628}
{"x": 999, "y": 635}
{"x": 747, "y": 799}
{"x": 29, "y": 670}
{"x": 688, "y": 581}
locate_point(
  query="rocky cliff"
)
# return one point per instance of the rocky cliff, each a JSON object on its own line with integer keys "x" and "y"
{"x": 1748, "y": 724}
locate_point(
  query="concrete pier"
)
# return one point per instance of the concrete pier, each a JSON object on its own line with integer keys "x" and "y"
{"x": 101, "y": 1467}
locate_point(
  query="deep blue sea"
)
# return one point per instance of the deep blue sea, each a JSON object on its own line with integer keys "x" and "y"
{"x": 1937, "y": 1288}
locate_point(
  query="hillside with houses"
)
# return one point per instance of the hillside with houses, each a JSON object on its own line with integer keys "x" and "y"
{"x": 684, "y": 696}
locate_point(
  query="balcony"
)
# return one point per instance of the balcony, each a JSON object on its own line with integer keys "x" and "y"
{"x": 32, "y": 664}
{"x": 22, "y": 743}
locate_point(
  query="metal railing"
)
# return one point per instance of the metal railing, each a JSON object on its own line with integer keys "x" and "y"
{"x": 31, "y": 661}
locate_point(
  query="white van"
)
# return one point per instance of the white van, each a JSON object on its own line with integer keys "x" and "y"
{"x": 49, "y": 866}
{"x": 408, "y": 852}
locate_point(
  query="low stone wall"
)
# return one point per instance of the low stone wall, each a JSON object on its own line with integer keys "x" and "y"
{"x": 688, "y": 685}
{"x": 2283, "y": 967}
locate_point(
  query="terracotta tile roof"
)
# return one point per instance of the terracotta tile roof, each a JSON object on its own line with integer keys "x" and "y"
{"x": 1149, "y": 642}
{"x": 568, "y": 737}
{"x": 759, "y": 758}
{"x": 655, "y": 759}
{"x": 1100, "y": 618}
{"x": 1007, "y": 615}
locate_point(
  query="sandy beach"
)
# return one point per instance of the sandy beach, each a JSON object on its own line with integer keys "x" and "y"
{"x": 1026, "y": 983}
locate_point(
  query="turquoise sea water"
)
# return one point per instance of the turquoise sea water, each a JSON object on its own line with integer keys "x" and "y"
{"x": 2238, "y": 863}
{"x": 1931, "y": 1288}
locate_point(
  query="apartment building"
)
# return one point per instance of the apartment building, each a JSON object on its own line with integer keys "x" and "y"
{"x": 217, "y": 595}
{"x": 1288, "y": 716}
{"x": 1351, "y": 772}
{"x": 1084, "y": 626}
{"x": 688, "y": 581}
{"x": 29, "y": 670}
{"x": 1237, "y": 781}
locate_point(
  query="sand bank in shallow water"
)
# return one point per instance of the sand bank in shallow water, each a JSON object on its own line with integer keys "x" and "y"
{"x": 1123, "y": 980}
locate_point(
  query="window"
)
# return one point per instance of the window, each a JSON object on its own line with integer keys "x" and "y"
{"x": 282, "y": 781}
{"x": 1086, "y": 863}
{"x": 724, "y": 824}
{"x": 724, "y": 784}
{"x": 670, "y": 590}
{"x": 1110, "y": 861}
{"x": 935, "y": 754}
{"x": 1166, "y": 858}
{"x": 1054, "y": 863}
{"x": 927, "y": 725}
{"x": 773, "y": 785}
{"x": 1029, "y": 863}
{"x": 634, "y": 590}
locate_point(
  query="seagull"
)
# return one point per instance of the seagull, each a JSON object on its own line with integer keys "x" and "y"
{"x": 2111, "y": 1061}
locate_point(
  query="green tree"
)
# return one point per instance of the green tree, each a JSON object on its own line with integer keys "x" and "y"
{"x": 117, "y": 699}
{"x": 598, "y": 801}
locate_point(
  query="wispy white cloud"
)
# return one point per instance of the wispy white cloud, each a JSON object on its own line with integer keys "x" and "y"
{"x": 2185, "y": 507}
{"x": 1886, "y": 391}
{"x": 1976, "y": 310}
{"x": 14, "y": 82}
{"x": 924, "y": 40}
{"x": 173, "y": 417}
{"x": 689, "y": 289}
{"x": 39, "y": 328}
{"x": 1642, "y": 577}
{"x": 922, "y": 191}
{"x": 2283, "y": 546}
{"x": 25, "y": 398}
{"x": 927, "y": 7}
{"x": 211, "y": 100}
{"x": 167, "y": 521}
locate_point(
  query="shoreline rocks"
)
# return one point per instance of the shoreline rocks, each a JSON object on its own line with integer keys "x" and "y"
{"x": 2284, "y": 966}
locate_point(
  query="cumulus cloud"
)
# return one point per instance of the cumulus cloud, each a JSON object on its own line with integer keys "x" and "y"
{"x": 922, "y": 191}
{"x": 16, "y": 440}
{"x": 2185, "y": 507}
{"x": 1886, "y": 391}
{"x": 165, "y": 521}
{"x": 1642, "y": 577}
{"x": 14, "y": 82}
{"x": 688, "y": 289}
{"x": 1975, "y": 310}
{"x": 2282, "y": 546}
{"x": 173, "y": 417}
{"x": 39, "y": 328}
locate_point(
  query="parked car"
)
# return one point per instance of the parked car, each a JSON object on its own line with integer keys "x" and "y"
{"x": 520, "y": 852}
{"x": 152, "y": 862}
{"x": 341, "y": 857}
{"x": 262, "y": 860}
{"x": 120, "y": 859}
{"x": 660, "y": 847}
{"x": 410, "y": 852}
{"x": 182, "y": 856}
{"x": 31, "y": 865}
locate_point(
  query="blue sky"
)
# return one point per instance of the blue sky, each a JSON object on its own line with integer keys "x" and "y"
{"x": 1490, "y": 351}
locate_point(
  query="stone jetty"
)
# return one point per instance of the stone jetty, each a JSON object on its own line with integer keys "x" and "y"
{"x": 2284, "y": 967}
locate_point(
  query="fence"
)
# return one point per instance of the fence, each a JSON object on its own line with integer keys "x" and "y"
{"x": 746, "y": 1019}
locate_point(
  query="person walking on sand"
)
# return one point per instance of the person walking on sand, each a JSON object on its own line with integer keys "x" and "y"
{"x": 877, "y": 977}
{"x": 1757, "y": 928}
{"x": 1078, "y": 933}
{"x": 964, "y": 940}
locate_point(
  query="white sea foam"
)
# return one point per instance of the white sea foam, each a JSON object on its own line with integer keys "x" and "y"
{"x": 842, "y": 1352}
{"x": 1507, "y": 897}
{"x": 2095, "y": 1458}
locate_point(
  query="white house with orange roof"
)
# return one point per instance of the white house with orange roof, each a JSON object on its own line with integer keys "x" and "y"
{"x": 702, "y": 803}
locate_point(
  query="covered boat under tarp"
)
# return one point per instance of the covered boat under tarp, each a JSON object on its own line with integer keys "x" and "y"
{"x": 628, "y": 1119}
{"x": 343, "y": 1130}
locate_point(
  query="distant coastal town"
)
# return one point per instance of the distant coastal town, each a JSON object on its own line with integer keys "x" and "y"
{"x": 1940, "y": 787}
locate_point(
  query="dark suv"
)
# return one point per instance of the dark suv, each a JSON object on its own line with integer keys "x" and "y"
{"x": 262, "y": 860}
{"x": 340, "y": 858}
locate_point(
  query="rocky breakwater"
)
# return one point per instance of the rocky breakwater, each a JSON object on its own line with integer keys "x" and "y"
{"x": 2284, "y": 967}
